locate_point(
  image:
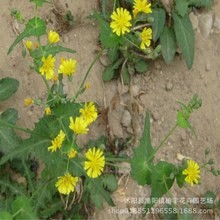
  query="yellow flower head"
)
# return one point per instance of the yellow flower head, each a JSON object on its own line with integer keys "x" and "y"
{"x": 47, "y": 111}
{"x": 192, "y": 172}
{"x": 28, "y": 101}
{"x": 53, "y": 37}
{"x": 28, "y": 44}
{"x": 67, "y": 67}
{"x": 79, "y": 126}
{"x": 48, "y": 66}
{"x": 146, "y": 36}
{"x": 120, "y": 21}
{"x": 66, "y": 184}
{"x": 141, "y": 6}
{"x": 72, "y": 153}
{"x": 96, "y": 162}
{"x": 57, "y": 141}
{"x": 89, "y": 112}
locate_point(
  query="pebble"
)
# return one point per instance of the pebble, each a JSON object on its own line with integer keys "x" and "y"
{"x": 126, "y": 118}
{"x": 104, "y": 60}
{"x": 208, "y": 67}
{"x": 65, "y": 38}
{"x": 156, "y": 116}
{"x": 205, "y": 24}
{"x": 194, "y": 20}
{"x": 157, "y": 65}
{"x": 169, "y": 86}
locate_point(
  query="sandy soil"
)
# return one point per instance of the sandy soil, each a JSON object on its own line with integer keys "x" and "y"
{"x": 161, "y": 87}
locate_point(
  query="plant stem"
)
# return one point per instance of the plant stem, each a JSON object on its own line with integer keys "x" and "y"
{"x": 118, "y": 159}
{"x": 114, "y": 5}
{"x": 16, "y": 213}
{"x": 28, "y": 176}
{"x": 166, "y": 138}
{"x": 87, "y": 73}
{"x": 132, "y": 43}
{"x": 2, "y": 122}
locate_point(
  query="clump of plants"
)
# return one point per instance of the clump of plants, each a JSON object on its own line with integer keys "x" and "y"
{"x": 136, "y": 31}
{"x": 74, "y": 177}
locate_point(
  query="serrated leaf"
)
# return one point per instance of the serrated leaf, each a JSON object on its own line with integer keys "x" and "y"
{"x": 38, "y": 3}
{"x": 110, "y": 182}
{"x": 209, "y": 199}
{"x": 185, "y": 37}
{"x": 108, "y": 73}
{"x": 182, "y": 121}
{"x": 8, "y": 86}
{"x": 142, "y": 161}
{"x": 168, "y": 44}
{"x": 182, "y": 7}
{"x": 34, "y": 27}
{"x": 23, "y": 204}
{"x": 159, "y": 16}
{"x": 141, "y": 66}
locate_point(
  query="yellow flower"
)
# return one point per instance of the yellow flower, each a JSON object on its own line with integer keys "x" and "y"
{"x": 72, "y": 153}
{"x": 120, "y": 21}
{"x": 53, "y": 37}
{"x": 141, "y": 6}
{"x": 89, "y": 112}
{"x": 57, "y": 141}
{"x": 47, "y": 111}
{"x": 96, "y": 162}
{"x": 192, "y": 172}
{"x": 28, "y": 101}
{"x": 66, "y": 184}
{"x": 79, "y": 126}
{"x": 47, "y": 67}
{"x": 28, "y": 44}
{"x": 67, "y": 67}
{"x": 146, "y": 36}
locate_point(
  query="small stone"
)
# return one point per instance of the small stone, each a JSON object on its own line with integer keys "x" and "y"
{"x": 104, "y": 60}
{"x": 183, "y": 135}
{"x": 156, "y": 116}
{"x": 134, "y": 90}
{"x": 194, "y": 20}
{"x": 65, "y": 38}
{"x": 208, "y": 67}
{"x": 157, "y": 65}
{"x": 205, "y": 24}
{"x": 126, "y": 118}
{"x": 169, "y": 86}
{"x": 124, "y": 168}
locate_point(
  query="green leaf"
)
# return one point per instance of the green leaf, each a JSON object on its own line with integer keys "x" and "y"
{"x": 159, "y": 16}
{"x": 113, "y": 54}
{"x": 34, "y": 27}
{"x": 181, "y": 7}
{"x": 5, "y": 215}
{"x": 23, "y": 204}
{"x": 185, "y": 37}
{"x": 8, "y": 86}
{"x": 182, "y": 121}
{"x": 201, "y": 3}
{"x": 162, "y": 178}
{"x": 142, "y": 161}
{"x": 8, "y": 138}
{"x": 209, "y": 199}
{"x": 169, "y": 212}
{"x": 38, "y": 3}
{"x": 141, "y": 66}
{"x": 97, "y": 200}
{"x": 125, "y": 76}
{"x": 180, "y": 178}
{"x": 107, "y": 37}
{"x": 168, "y": 44}
{"x": 186, "y": 213}
{"x": 218, "y": 204}
{"x": 109, "y": 182}
{"x": 55, "y": 50}
{"x": 108, "y": 73}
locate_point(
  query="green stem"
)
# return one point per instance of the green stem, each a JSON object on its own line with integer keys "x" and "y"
{"x": 118, "y": 159}
{"x": 28, "y": 176}
{"x": 67, "y": 165}
{"x": 87, "y": 73}
{"x": 132, "y": 43}
{"x": 16, "y": 213}
{"x": 171, "y": 196}
{"x": 63, "y": 127}
{"x": 2, "y": 122}
{"x": 47, "y": 85}
{"x": 114, "y": 5}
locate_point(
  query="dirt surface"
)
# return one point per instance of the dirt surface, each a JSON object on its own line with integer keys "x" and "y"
{"x": 158, "y": 90}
